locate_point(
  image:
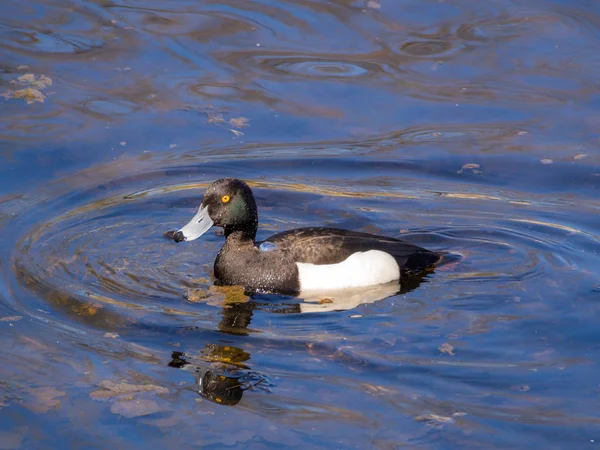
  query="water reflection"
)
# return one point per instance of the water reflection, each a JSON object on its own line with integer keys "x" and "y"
{"x": 221, "y": 375}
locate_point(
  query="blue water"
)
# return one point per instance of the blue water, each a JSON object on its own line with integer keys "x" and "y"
{"x": 461, "y": 126}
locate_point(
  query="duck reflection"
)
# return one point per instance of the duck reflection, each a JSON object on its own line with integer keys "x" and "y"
{"x": 220, "y": 373}
{"x": 236, "y": 317}
{"x": 347, "y": 299}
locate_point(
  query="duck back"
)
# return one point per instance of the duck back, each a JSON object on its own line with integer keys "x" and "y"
{"x": 322, "y": 245}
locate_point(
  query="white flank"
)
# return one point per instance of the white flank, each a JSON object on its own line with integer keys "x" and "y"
{"x": 359, "y": 269}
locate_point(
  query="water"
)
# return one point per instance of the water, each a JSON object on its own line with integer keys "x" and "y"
{"x": 461, "y": 126}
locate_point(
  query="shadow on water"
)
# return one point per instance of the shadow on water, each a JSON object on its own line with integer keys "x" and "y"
{"x": 463, "y": 127}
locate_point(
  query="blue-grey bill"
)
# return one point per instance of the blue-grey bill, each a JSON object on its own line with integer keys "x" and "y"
{"x": 199, "y": 225}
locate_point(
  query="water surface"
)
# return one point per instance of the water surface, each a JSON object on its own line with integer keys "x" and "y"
{"x": 461, "y": 126}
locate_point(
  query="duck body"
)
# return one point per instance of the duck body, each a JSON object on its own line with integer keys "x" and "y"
{"x": 303, "y": 259}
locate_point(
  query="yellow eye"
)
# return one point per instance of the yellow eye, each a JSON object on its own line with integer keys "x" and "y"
{"x": 225, "y": 198}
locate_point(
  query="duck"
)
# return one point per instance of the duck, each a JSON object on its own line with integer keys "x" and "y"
{"x": 299, "y": 260}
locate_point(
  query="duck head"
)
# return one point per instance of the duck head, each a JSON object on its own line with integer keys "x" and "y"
{"x": 227, "y": 203}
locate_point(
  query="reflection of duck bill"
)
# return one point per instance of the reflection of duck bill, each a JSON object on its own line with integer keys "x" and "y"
{"x": 345, "y": 299}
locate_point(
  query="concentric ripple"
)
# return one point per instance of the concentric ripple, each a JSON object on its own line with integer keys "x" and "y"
{"x": 89, "y": 262}
{"x": 322, "y": 69}
{"x": 317, "y": 66}
{"x": 426, "y": 48}
{"x": 106, "y": 253}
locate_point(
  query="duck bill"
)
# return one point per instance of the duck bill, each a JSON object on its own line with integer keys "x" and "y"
{"x": 196, "y": 227}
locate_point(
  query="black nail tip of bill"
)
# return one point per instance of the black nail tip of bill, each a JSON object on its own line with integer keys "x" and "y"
{"x": 175, "y": 235}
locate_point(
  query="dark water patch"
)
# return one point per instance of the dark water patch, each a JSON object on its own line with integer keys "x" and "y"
{"x": 109, "y": 108}
{"x": 425, "y": 48}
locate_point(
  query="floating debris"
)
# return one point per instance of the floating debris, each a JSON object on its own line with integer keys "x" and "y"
{"x": 521, "y": 388}
{"x": 11, "y": 319}
{"x": 31, "y": 90}
{"x": 44, "y": 399}
{"x": 214, "y": 117}
{"x": 438, "y": 421}
{"x": 474, "y": 168}
{"x": 218, "y": 117}
{"x": 434, "y": 419}
{"x": 239, "y": 122}
{"x": 446, "y": 348}
{"x": 29, "y": 79}
{"x": 30, "y": 95}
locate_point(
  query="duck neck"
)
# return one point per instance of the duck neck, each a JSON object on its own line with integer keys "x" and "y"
{"x": 238, "y": 235}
